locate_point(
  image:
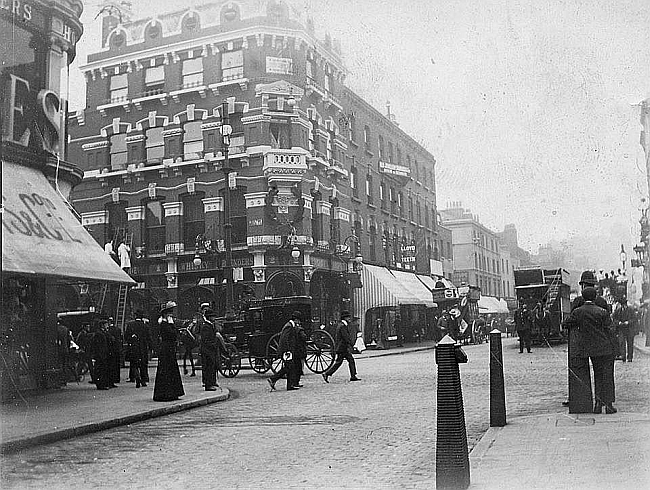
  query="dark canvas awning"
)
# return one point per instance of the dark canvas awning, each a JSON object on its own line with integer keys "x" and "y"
{"x": 41, "y": 236}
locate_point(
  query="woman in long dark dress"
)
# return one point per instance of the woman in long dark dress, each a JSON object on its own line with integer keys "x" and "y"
{"x": 168, "y": 385}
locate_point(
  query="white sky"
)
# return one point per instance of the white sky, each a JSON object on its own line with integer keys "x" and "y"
{"x": 527, "y": 105}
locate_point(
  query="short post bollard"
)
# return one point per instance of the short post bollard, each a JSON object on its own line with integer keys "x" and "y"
{"x": 452, "y": 457}
{"x": 497, "y": 385}
{"x": 580, "y": 400}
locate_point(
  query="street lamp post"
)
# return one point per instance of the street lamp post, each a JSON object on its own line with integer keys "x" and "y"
{"x": 226, "y": 130}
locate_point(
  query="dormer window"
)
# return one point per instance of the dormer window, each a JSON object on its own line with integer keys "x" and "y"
{"x": 191, "y": 23}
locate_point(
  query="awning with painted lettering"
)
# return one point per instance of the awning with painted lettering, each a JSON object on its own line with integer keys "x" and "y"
{"x": 41, "y": 236}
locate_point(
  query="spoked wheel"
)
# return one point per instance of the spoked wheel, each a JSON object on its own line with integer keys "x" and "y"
{"x": 258, "y": 363}
{"x": 230, "y": 362}
{"x": 273, "y": 360}
{"x": 320, "y": 351}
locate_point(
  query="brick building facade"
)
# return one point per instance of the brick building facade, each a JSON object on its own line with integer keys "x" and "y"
{"x": 312, "y": 163}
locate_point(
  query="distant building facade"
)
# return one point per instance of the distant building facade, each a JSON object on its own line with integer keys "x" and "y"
{"x": 478, "y": 258}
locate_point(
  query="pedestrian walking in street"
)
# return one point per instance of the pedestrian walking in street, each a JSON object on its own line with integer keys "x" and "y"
{"x": 523, "y": 321}
{"x": 624, "y": 320}
{"x": 346, "y": 334}
{"x": 168, "y": 385}
{"x": 593, "y": 341}
{"x": 288, "y": 349}
{"x": 211, "y": 344}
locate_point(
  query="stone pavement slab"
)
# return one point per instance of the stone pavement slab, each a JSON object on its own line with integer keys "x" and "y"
{"x": 79, "y": 408}
{"x": 562, "y": 451}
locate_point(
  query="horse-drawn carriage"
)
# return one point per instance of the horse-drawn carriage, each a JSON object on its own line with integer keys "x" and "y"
{"x": 256, "y": 335}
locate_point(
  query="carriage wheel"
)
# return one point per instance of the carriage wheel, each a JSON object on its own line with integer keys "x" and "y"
{"x": 258, "y": 363}
{"x": 320, "y": 351}
{"x": 273, "y": 360}
{"x": 230, "y": 362}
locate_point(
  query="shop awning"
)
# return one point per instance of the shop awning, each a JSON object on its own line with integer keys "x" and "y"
{"x": 414, "y": 286}
{"x": 380, "y": 288}
{"x": 41, "y": 236}
{"x": 490, "y": 304}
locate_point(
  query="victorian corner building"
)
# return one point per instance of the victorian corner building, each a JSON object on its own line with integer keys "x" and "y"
{"x": 47, "y": 255}
{"x": 310, "y": 177}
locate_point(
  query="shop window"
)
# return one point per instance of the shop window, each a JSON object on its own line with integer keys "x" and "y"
{"x": 119, "y": 88}
{"x": 154, "y": 227}
{"x": 192, "y": 140}
{"x": 118, "y": 151}
{"x": 232, "y": 65}
{"x": 154, "y": 145}
{"x": 193, "y": 219}
{"x": 192, "y": 72}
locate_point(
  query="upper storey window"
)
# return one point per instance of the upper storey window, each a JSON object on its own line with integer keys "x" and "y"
{"x": 119, "y": 88}
{"x": 310, "y": 68}
{"x": 192, "y": 72}
{"x": 232, "y": 65}
{"x": 118, "y": 151}
{"x": 154, "y": 78}
{"x": 366, "y": 138}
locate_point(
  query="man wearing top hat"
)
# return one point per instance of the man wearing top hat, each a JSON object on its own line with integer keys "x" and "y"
{"x": 211, "y": 342}
{"x": 344, "y": 343}
{"x": 292, "y": 336}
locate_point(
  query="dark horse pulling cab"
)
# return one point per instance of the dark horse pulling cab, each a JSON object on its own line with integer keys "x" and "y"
{"x": 256, "y": 334}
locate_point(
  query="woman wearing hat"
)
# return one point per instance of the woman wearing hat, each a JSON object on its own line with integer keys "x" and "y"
{"x": 168, "y": 385}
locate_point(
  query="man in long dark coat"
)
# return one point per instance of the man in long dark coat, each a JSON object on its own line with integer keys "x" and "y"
{"x": 592, "y": 329}
{"x": 288, "y": 349}
{"x": 139, "y": 340}
{"x": 344, "y": 343}
{"x": 99, "y": 350}
{"x": 210, "y": 345}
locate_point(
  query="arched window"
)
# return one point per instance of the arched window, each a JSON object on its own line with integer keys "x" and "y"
{"x": 366, "y": 138}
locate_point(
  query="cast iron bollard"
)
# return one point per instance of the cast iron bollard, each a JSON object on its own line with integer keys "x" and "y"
{"x": 452, "y": 457}
{"x": 497, "y": 385}
{"x": 580, "y": 400}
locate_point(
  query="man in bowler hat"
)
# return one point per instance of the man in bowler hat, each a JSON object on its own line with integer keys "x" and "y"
{"x": 344, "y": 343}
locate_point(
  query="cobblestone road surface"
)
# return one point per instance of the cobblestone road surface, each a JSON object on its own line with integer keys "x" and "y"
{"x": 379, "y": 433}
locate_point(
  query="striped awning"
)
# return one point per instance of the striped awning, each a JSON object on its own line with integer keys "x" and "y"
{"x": 380, "y": 288}
{"x": 414, "y": 286}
